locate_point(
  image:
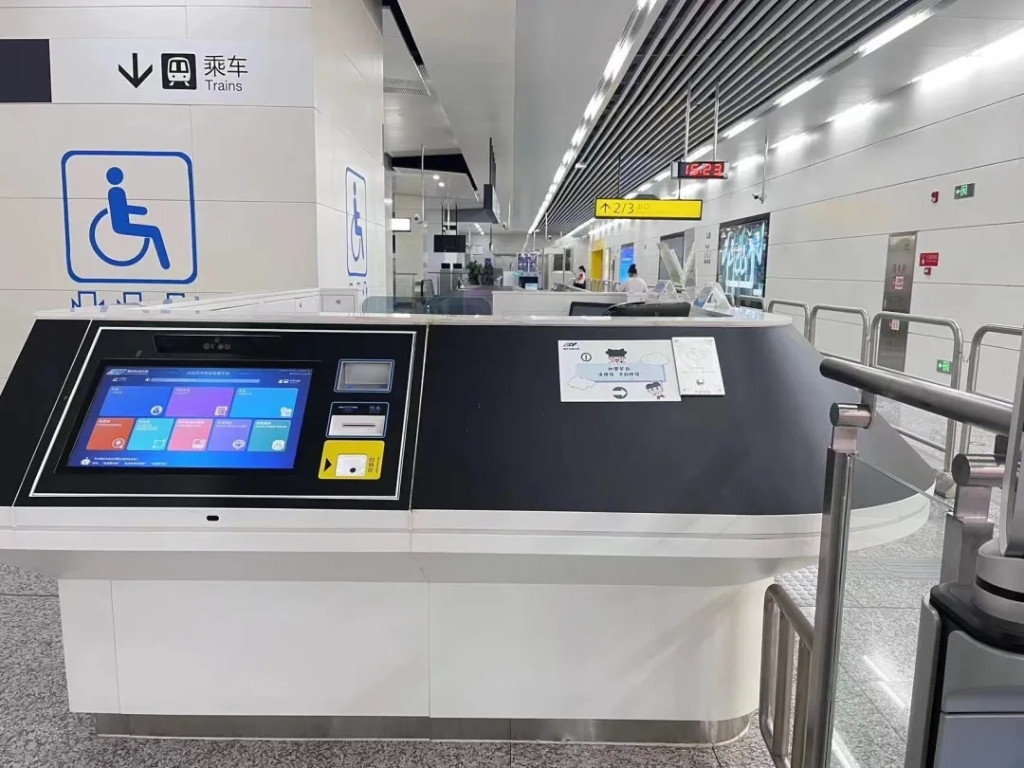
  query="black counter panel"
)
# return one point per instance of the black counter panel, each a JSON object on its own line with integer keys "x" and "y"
{"x": 344, "y": 439}
{"x": 31, "y": 393}
{"x": 495, "y": 435}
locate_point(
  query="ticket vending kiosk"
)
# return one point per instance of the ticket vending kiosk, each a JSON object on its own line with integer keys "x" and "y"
{"x": 325, "y": 525}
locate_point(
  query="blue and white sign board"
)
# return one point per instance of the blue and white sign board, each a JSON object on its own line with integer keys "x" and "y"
{"x": 618, "y": 371}
{"x": 129, "y": 217}
{"x": 158, "y": 71}
{"x": 356, "y": 207}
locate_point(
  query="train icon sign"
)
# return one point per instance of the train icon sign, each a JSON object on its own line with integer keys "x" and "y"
{"x": 129, "y": 217}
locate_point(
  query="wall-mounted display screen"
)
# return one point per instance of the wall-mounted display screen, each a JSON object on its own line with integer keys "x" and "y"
{"x": 160, "y": 417}
{"x": 743, "y": 256}
{"x": 626, "y": 260}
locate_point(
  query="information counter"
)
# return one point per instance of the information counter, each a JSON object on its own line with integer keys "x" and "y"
{"x": 337, "y": 526}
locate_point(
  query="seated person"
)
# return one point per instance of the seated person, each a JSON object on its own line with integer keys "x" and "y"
{"x": 633, "y": 284}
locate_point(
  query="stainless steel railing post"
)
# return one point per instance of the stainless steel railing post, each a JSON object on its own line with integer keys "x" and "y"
{"x": 847, "y": 420}
{"x": 865, "y": 322}
{"x": 797, "y": 304}
{"x": 782, "y": 717}
{"x": 968, "y": 527}
{"x": 954, "y": 375}
{"x": 973, "y": 361}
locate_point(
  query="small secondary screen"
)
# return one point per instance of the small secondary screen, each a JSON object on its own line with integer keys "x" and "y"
{"x": 193, "y": 418}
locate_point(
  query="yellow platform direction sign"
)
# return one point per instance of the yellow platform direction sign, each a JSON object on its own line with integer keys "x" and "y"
{"x": 351, "y": 460}
{"x": 620, "y": 208}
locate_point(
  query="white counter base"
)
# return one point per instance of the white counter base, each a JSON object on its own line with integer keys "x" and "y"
{"x": 503, "y": 651}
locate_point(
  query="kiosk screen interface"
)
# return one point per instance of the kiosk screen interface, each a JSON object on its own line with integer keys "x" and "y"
{"x": 193, "y": 418}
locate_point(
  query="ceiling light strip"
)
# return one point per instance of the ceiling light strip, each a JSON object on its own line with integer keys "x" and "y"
{"x": 647, "y": 73}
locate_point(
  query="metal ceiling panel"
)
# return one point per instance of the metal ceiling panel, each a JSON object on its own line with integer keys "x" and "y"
{"x": 752, "y": 50}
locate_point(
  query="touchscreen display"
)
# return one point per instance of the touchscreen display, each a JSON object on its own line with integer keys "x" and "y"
{"x": 193, "y": 418}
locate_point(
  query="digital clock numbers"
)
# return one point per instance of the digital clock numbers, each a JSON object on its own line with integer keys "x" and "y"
{"x": 712, "y": 170}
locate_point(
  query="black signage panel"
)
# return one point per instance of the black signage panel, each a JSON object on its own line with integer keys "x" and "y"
{"x": 25, "y": 65}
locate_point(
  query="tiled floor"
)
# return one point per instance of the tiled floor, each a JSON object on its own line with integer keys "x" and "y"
{"x": 884, "y": 590}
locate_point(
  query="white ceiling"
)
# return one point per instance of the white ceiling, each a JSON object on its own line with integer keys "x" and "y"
{"x": 952, "y": 32}
{"x": 520, "y": 72}
{"x": 410, "y": 120}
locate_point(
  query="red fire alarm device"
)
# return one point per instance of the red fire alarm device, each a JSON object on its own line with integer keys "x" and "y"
{"x": 935, "y": 196}
{"x": 929, "y": 259}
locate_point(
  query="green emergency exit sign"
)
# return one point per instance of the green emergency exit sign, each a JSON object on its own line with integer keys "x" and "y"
{"x": 963, "y": 191}
{"x": 943, "y": 366}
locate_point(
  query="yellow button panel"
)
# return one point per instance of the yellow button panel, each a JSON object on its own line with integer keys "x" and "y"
{"x": 351, "y": 460}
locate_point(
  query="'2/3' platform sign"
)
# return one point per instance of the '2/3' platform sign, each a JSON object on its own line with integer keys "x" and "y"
{"x": 621, "y": 208}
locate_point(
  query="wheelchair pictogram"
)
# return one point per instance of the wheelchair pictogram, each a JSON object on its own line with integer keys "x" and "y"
{"x": 355, "y": 186}
{"x": 120, "y": 213}
{"x": 123, "y": 241}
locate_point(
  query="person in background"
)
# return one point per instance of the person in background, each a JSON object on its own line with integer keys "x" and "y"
{"x": 581, "y": 278}
{"x": 633, "y": 284}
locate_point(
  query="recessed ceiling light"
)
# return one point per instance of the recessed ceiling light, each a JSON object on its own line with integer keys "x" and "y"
{"x": 747, "y": 162}
{"x": 739, "y": 128}
{"x": 592, "y": 106}
{"x": 796, "y": 93}
{"x": 792, "y": 142}
{"x": 388, "y": 201}
{"x": 581, "y": 166}
{"x": 559, "y": 174}
{"x": 436, "y": 177}
{"x": 617, "y": 59}
{"x": 440, "y": 183}
{"x": 854, "y": 114}
{"x": 577, "y": 138}
{"x": 890, "y": 34}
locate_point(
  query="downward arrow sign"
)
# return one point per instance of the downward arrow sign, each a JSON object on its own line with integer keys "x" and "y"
{"x": 135, "y": 78}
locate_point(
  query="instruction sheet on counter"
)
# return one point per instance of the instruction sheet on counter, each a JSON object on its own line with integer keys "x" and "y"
{"x": 621, "y": 371}
{"x": 697, "y": 366}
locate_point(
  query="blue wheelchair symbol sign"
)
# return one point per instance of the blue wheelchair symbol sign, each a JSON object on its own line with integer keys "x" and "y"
{"x": 355, "y": 190}
{"x": 109, "y": 237}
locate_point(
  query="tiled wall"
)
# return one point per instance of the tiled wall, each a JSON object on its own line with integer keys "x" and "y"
{"x": 270, "y": 213}
{"x": 349, "y": 98}
{"x": 834, "y": 201}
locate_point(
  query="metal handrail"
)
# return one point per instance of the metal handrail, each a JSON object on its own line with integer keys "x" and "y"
{"x": 797, "y": 304}
{"x": 972, "y": 368}
{"x": 982, "y": 411}
{"x": 865, "y": 319}
{"x": 954, "y": 374}
{"x": 746, "y": 301}
{"x": 783, "y": 718}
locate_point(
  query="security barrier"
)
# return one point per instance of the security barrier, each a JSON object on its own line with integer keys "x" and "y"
{"x": 954, "y": 374}
{"x": 865, "y": 319}
{"x": 797, "y": 304}
{"x": 972, "y": 369}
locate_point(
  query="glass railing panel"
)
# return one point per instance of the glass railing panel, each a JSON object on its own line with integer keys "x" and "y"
{"x": 893, "y": 560}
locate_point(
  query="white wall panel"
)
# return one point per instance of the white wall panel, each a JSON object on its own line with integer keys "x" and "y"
{"x": 234, "y": 22}
{"x": 259, "y": 154}
{"x": 34, "y": 138}
{"x": 111, "y": 20}
{"x": 257, "y": 246}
